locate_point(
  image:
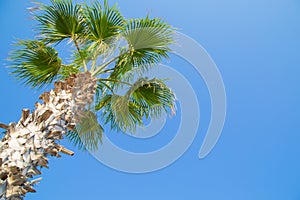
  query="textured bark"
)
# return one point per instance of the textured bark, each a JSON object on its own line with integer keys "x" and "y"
{"x": 27, "y": 144}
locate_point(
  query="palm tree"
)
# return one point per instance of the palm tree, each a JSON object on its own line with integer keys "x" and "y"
{"x": 108, "y": 52}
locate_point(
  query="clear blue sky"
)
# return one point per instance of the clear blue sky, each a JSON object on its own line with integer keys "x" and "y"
{"x": 256, "y": 46}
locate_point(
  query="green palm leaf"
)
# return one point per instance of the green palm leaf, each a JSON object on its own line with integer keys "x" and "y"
{"x": 120, "y": 113}
{"x": 153, "y": 96}
{"x": 145, "y": 98}
{"x": 103, "y": 22}
{"x": 148, "y": 33}
{"x": 61, "y": 20}
{"x": 148, "y": 42}
{"x": 35, "y": 63}
{"x": 87, "y": 134}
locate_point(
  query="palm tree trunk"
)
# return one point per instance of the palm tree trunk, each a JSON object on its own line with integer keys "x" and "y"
{"x": 26, "y": 144}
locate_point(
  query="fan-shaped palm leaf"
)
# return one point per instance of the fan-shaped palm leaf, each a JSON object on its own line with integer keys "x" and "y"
{"x": 153, "y": 96}
{"x": 61, "y": 20}
{"x": 148, "y": 34}
{"x": 148, "y": 41}
{"x": 35, "y": 63}
{"x": 103, "y": 22}
{"x": 87, "y": 133}
{"x": 145, "y": 98}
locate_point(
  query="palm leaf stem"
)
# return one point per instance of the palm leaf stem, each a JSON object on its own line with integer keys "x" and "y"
{"x": 101, "y": 67}
{"x": 114, "y": 80}
{"x": 108, "y": 70}
{"x": 93, "y": 65}
{"x": 81, "y": 56}
{"x": 108, "y": 87}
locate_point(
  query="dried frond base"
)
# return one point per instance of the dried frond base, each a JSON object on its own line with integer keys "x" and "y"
{"x": 27, "y": 144}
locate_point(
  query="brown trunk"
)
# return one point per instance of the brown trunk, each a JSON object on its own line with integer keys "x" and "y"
{"x": 26, "y": 144}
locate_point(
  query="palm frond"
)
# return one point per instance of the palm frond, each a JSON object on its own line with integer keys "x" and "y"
{"x": 148, "y": 34}
{"x": 103, "y": 25}
{"x": 146, "y": 98}
{"x": 153, "y": 96}
{"x": 87, "y": 134}
{"x": 63, "y": 19}
{"x": 121, "y": 114}
{"x": 103, "y": 22}
{"x": 148, "y": 41}
{"x": 137, "y": 62}
{"x": 35, "y": 63}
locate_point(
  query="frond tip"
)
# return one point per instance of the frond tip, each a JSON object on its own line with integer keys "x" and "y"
{"x": 35, "y": 63}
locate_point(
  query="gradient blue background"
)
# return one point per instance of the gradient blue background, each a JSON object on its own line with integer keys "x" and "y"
{"x": 256, "y": 46}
